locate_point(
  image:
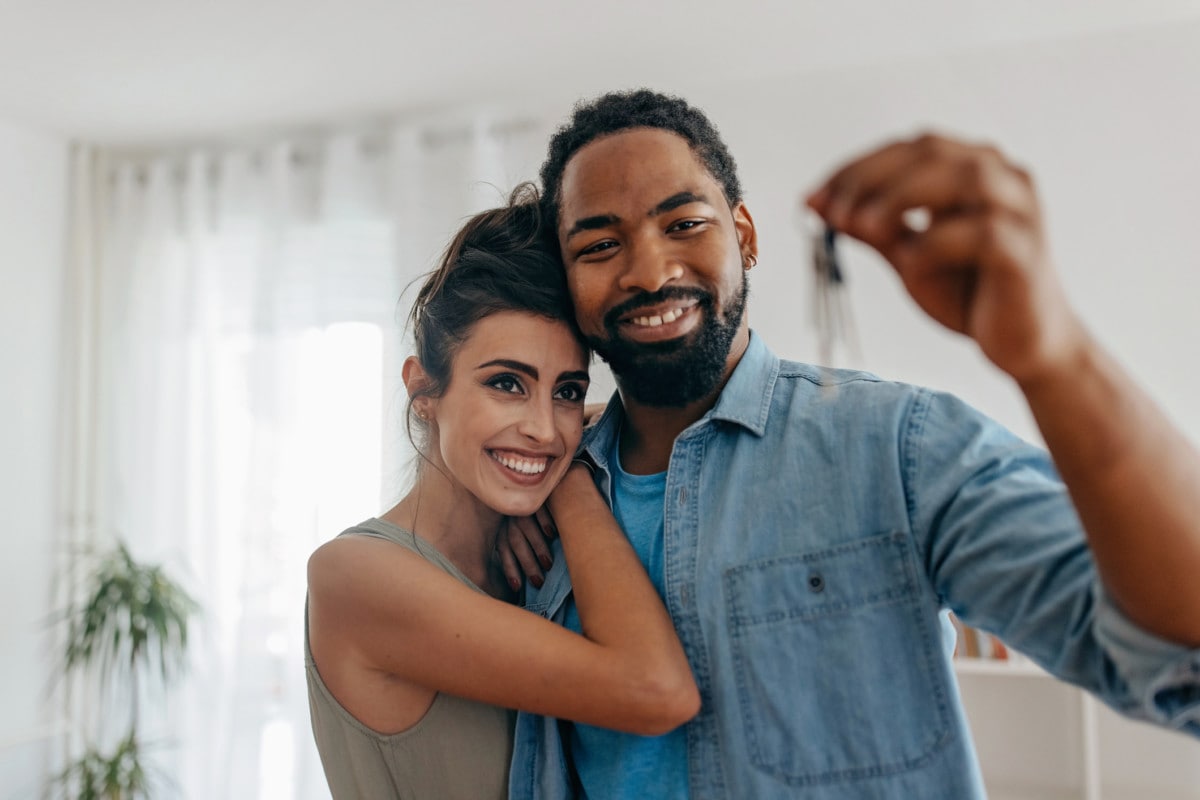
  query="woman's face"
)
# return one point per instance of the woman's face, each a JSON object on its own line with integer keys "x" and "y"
{"x": 511, "y": 417}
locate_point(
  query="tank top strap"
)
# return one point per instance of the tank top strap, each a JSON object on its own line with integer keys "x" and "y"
{"x": 382, "y": 529}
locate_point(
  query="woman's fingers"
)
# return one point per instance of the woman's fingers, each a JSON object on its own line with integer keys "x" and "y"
{"x": 524, "y": 547}
{"x": 508, "y": 562}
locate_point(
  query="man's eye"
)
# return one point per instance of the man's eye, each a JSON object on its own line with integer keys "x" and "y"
{"x": 505, "y": 383}
{"x": 686, "y": 224}
{"x": 598, "y": 247}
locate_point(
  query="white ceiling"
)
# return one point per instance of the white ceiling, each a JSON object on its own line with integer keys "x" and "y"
{"x": 137, "y": 71}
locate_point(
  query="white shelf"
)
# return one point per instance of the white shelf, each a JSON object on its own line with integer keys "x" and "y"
{"x": 1001, "y": 668}
{"x": 1046, "y": 740}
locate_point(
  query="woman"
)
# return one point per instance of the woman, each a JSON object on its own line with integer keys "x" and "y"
{"x": 416, "y": 651}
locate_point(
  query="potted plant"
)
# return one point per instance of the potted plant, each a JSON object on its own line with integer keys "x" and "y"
{"x": 130, "y": 624}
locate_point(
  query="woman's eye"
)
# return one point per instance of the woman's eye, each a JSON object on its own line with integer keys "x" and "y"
{"x": 505, "y": 383}
{"x": 572, "y": 393}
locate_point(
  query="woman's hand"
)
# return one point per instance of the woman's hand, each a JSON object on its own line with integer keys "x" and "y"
{"x": 524, "y": 543}
{"x": 523, "y": 546}
{"x": 379, "y": 610}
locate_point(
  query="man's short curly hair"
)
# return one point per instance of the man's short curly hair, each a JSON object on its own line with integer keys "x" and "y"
{"x": 641, "y": 108}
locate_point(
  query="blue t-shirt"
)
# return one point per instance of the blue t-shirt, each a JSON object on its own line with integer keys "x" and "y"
{"x": 611, "y": 764}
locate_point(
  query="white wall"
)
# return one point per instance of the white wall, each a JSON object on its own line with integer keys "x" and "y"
{"x": 33, "y": 202}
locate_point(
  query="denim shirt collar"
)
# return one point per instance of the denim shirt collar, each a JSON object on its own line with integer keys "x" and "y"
{"x": 745, "y": 400}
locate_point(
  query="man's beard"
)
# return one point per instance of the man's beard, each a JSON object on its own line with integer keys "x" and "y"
{"x": 675, "y": 373}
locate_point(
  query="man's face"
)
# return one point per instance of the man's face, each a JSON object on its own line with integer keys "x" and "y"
{"x": 655, "y": 264}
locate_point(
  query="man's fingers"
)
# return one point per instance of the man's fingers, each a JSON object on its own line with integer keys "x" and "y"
{"x": 849, "y": 184}
{"x": 965, "y": 241}
{"x": 871, "y": 197}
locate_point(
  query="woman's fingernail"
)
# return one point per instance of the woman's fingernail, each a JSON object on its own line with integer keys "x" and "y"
{"x": 515, "y": 584}
{"x": 536, "y": 580}
{"x": 546, "y": 561}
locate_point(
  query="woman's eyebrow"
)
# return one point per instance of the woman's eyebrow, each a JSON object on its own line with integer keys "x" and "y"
{"x": 576, "y": 375}
{"x": 512, "y": 364}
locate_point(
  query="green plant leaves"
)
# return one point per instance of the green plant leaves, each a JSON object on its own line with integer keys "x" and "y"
{"x": 133, "y": 616}
{"x": 120, "y": 775}
{"x": 132, "y": 619}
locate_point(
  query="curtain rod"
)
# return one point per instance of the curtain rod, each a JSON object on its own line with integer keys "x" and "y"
{"x": 433, "y": 131}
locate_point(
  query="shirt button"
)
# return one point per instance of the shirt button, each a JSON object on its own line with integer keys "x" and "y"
{"x": 816, "y": 583}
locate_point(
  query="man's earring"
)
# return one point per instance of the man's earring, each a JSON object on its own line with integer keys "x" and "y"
{"x": 751, "y": 262}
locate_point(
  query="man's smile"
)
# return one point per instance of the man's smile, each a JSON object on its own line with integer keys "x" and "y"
{"x": 660, "y": 322}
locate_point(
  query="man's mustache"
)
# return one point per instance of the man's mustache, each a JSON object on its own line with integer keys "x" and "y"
{"x": 648, "y": 299}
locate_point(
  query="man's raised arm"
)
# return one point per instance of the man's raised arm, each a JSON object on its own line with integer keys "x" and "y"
{"x": 976, "y": 260}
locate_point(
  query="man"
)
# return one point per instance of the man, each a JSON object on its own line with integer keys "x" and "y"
{"x": 808, "y": 544}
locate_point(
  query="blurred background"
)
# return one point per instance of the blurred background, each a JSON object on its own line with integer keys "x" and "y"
{"x": 209, "y": 213}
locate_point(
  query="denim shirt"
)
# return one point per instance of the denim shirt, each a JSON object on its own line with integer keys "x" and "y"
{"x": 817, "y": 526}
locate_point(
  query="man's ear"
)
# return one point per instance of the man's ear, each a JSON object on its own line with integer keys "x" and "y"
{"x": 417, "y": 382}
{"x": 747, "y": 235}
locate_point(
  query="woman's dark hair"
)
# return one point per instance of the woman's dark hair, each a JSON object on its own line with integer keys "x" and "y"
{"x": 619, "y": 111}
{"x": 500, "y": 260}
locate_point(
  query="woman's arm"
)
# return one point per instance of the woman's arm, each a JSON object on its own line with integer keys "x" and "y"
{"x": 406, "y": 617}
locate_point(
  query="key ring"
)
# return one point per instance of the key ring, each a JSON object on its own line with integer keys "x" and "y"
{"x": 831, "y": 313}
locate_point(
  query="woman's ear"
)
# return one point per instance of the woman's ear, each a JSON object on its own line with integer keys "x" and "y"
{"x": 418, "y": 382}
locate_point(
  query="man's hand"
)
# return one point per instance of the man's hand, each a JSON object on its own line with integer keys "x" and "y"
{"x": 978, "y": 264}
{"x": 962, "y": 227}
{"x": 523, "y": 546}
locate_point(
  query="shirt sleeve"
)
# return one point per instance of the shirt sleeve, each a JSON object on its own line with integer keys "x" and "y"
{"x": 1004, "y": 549}
{"x": 1167, "y": 674}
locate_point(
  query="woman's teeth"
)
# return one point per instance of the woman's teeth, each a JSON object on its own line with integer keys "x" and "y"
{"x": 526, "y": 466}
{"x": 655, "y": 321}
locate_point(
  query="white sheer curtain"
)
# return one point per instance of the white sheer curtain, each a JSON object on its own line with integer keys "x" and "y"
{"x": 238, "y": 359}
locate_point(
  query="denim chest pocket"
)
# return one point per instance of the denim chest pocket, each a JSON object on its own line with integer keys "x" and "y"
{"x": 836, "y": 663}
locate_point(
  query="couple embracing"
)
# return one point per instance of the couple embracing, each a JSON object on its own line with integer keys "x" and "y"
{"x": 748, "y": 578}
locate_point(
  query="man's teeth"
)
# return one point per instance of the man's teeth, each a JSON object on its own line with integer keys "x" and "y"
{"x": 527, "y": 466}
{"x": 655, "y": 321}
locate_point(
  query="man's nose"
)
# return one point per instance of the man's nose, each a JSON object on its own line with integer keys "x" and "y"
{"x": 649, "y": 266}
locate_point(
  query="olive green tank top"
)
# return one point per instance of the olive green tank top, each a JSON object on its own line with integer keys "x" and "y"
{"x": 459, "y": 750}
